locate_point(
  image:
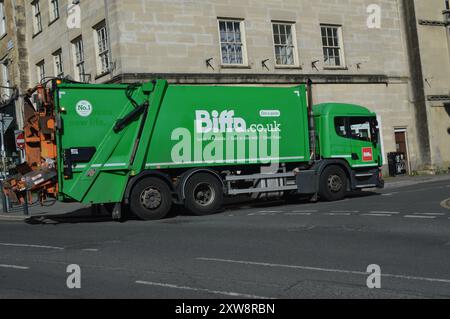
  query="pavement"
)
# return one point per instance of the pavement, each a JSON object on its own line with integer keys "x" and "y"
{"x": 250, "y": 250}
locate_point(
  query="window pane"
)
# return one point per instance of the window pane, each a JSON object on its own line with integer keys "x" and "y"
{"x": 224, "y": 54}
{"x": 277, "y": 39}
{"x": 229, "y": 26}
{"x": 239, "y": 55}
{"x": 360, "y": 128}
{"x": 339, "y": 124}
{"x": 275, "y": 29}
{"x": 290, "y": 55}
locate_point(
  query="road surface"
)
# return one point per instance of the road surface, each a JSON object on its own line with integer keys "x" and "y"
{"x": 259, "y": 250}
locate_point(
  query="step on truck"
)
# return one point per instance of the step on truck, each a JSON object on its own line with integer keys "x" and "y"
{"x": 145, "y": 147}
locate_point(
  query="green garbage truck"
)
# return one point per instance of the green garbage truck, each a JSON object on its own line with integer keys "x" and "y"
{"x": 148, "y": 146}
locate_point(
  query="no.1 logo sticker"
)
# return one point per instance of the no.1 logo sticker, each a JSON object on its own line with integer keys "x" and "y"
{"x": 367, "y": 153}
{"x": 84, "y": 108}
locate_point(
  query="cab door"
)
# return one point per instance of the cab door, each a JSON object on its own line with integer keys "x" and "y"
{"x": 364, "y": 144}
{"x": 341, "y": 146}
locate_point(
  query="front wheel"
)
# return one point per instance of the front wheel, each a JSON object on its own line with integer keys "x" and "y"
{"x": 333, "y": 184}
{"x": 151, "y": 199}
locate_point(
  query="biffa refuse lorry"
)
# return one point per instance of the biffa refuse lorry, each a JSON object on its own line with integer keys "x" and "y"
{"x": 145, "y": 147}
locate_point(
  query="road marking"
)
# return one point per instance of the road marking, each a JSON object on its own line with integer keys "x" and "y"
{"x": 90, "y": 249}
{"x": 430, "y": 214}
{"x": 383, "y": 212}
{"x": 337, "y": 214}
{"x": 377, "y": 215}
{"x": 343, "y": 271}
{"x": 304, "y": 211}
{"x": 262, "y": 214}
{"x": 14, "y": 267}
{"x": 31, "y": 246}
{"x": 389, "y": 194}
{"x": 216, "y": 292}
{"x": 298, "y": 214}
{"x": 345, "y": 211}
{"x": 418, "y": 216}
{"x": 270, "y": 211}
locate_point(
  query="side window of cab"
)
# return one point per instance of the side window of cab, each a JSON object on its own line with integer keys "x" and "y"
{"x": 355, "y": 128}
{"x": 340, "y": 124}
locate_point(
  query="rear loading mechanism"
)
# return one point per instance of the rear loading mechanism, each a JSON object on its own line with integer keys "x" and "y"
{"x": 147, "y": 146}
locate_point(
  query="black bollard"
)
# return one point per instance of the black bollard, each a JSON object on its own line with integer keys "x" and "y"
{"x": 25, "y": 205}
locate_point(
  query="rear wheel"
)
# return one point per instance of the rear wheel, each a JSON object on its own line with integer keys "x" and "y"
{"x": 203, "y": 194}
{"x": 333, "y": 184}
{"x": 151, "y": 199}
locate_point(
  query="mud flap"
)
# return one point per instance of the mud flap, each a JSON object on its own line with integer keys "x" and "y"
{"x": 307, "y": 182}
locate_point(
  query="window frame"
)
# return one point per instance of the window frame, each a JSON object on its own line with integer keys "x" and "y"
{"x": 54, "y": 10}
{"x": 79, "y": 64}
{"x": 40, "y": 68}
{"x": 6, "y": 81}
{"x": 294, "y": 44}
{"x": 340, "y": 47}
{"x": 58, "y": 60}
{"x": 3, "y": 24}
{"x": 102, "y": 49}
{"x": 243, "y": 42}
{"x": 345, "y": 119}
{"x": 37, "y": 17}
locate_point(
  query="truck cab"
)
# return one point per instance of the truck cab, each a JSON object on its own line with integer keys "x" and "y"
{"x": 349, "y": 134}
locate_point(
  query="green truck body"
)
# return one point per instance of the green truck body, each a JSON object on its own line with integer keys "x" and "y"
{"x": 109, "y": 137}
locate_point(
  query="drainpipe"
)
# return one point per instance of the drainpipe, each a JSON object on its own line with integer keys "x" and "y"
{"x": 311, "y": 123}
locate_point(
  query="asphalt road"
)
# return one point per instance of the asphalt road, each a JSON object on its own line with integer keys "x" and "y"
{"x": 263, "y": 250}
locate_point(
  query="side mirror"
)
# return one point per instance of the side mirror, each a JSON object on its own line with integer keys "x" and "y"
{"x": 375, "y": 131}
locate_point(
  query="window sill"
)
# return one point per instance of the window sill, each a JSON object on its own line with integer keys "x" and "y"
{"x": 99, "y": 76}
{"x": 53, "y": 21}
{"x": 234, "y": 66}
{"x": 287, "y": 67}
{"x": 336, "y": 68}
{"x": 36, "y": 34}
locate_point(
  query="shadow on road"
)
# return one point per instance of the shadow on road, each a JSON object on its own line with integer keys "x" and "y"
{"x": 87, "y": 215}
{"x": 75, "y": 217}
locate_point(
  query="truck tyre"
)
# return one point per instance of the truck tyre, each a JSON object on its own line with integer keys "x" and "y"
{"x": 151, "y": 199}
{"x": 203, "y": 194}
{"x": 333, "y": 184}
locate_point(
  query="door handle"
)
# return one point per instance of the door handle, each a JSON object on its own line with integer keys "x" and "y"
{"x": 355, "y": 157}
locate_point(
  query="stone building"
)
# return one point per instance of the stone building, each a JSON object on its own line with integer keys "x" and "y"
{"x": 428, "y": 40}
{"x": 14, "y": 73}
{"x": 366, "y": 52}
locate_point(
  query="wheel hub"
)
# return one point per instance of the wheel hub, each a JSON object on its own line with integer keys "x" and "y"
{"x": 151, "y": 198}
{"x": 335, "y": 183}
{"x": 204, "y": 194}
